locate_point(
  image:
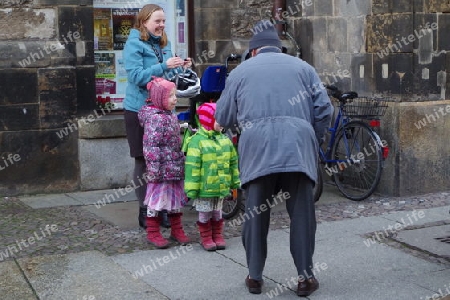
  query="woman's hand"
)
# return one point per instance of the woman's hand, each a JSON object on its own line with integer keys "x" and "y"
{"x": 175, "y": 62}
{"x": 187, "y": 63}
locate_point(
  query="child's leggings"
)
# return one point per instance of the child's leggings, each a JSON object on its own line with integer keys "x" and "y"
{"x": 204, "y": 217}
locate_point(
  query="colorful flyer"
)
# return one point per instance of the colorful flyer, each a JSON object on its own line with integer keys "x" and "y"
{"x": 103, "y": 37}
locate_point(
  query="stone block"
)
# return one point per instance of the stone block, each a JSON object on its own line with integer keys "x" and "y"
{"x": 105, "y": 163}
{"x": 47, "y": 163}
{"x": 75, "y": 23}
{"x": 213, "y": 24}
{"x": 204, "y": 54}
{"x": 421, "y": 22}
{"x": 18, "y": 86}
{"x": 352, "y": 8}
{"x": 337, "y": 34}
{"x": 394, "y": 74}
{"x": 318, "y": 35}
{"x": 443, "y": 32}
{"x": 426, "y": 77}
{"x": 323, "y": 8}
{"x": 356, "y": 34}
{"x": 58, "y": 96}
{"x": 424, "y": 153}
{"x": 85, "y": 88}
{"x": 392, "y": 6}
{"x": 30, "y": 54}
{"x": 7, "y": 50}
{"x": 242, "y": 21}
{"x": 361, "y": 69}
{"x": 15, "y": 4}
{"x": 305, "y": 38}
{"x": 437, "y": 6}
{"x": 419, "y": 6}
{"x": 85, "y": 52}
{"x": 101, "y": 126}
{"x": 26, "y": 23}
{"x": 389, "y": 33}
{"x": 307, "y": 7}
{"x": 65, "y": 56}
{"x": 220, "y": 4}
{"x": 64, "y": 2}
{"x": 19, "y": 117}
{"x": 323, "y": 62}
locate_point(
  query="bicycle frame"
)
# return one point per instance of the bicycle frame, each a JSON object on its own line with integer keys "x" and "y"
{"x": 340, "y": 122}
{"x": 325, "y": 156}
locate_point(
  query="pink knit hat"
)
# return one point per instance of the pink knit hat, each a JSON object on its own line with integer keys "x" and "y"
{"x": 159, "y": 91}
{"x": 206, "y": 115}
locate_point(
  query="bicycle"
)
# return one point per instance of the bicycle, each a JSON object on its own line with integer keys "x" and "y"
{"x": 355, "y": 155}
{"x": 212, "y": 84}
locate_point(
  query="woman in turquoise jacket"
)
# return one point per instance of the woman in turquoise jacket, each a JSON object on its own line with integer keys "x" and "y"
{"x": 147, "y": 53}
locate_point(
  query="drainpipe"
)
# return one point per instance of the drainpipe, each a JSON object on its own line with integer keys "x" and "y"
{"x": 279, "y": 6}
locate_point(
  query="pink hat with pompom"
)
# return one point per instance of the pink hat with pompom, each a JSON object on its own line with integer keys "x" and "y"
{"x": 159, "y": 90}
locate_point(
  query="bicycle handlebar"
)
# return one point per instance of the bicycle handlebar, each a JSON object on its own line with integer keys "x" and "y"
{"x": 338, "y": 94}
{"x": 232, "y": 57}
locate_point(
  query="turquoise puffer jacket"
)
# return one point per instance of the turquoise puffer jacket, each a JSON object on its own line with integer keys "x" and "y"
{"x": 141, "y": 63}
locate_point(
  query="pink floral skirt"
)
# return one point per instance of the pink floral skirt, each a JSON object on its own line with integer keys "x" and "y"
{"x": 168, "y": 195}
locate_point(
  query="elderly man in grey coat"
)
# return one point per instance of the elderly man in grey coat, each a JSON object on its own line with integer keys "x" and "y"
{"x": 282, "y": 110}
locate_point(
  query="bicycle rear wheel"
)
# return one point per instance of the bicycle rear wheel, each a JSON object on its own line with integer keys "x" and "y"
{"x": 232, "y": 204}
{"x": 359, "y": 153}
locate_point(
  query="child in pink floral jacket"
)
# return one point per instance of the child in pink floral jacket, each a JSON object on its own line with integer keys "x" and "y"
{"x": 164, "y": 160}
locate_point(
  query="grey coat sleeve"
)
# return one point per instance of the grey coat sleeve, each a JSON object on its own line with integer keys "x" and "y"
{"x": 226, "y": 109}
{"x": 323, "y": 110}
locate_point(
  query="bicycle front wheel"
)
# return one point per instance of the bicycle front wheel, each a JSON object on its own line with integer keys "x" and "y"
{"x": 358, "y": 153}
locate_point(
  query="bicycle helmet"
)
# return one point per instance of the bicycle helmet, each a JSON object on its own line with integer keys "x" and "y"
{"x": 187, "y": 83}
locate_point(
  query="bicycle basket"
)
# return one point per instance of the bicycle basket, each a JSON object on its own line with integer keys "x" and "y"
{"x": 364, "y": 107}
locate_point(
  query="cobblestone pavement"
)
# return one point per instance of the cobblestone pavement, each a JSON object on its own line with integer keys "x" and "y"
{"x": 24, "y": 231}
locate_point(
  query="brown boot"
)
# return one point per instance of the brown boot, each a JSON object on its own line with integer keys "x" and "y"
{"x": 217, "y": 229}
{"x": 154, "y": 236}
{"x": 177, "y": 232}
{"x": 206, "y": 236}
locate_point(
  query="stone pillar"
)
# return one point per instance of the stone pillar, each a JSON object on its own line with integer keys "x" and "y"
{"x": 46, "y": 71}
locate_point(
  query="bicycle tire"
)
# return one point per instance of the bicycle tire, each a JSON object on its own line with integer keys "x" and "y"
{"x": 357, "y": 179}
{"x": 232, "y": 204}
{"x": 318, "y": 188}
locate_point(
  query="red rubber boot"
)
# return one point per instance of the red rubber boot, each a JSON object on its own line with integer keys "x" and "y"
{"x": 217, "y": 229}
{"x": 206, "y": 236}
{"x": 177, "y": 232}
{"x": 154, "y": 236}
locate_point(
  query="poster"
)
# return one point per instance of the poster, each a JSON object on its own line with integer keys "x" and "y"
{"x": 102, "y": 29}
{"x": 122, "y": 20}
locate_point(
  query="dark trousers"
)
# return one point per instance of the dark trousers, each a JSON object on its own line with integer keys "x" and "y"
{"x": 296, "y": 192}
{"x": 138, "y": 177}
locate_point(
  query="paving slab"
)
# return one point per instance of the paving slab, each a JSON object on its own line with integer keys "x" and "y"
{"x": 99, "y": 197}
{"x": 86, "y": 274}
{"x": 51, "y": 200}
{"x": 427, "y": 239}
{"x": 13, "y": 284}
{"x": 348, "y": 269}
{"x": 416, "y": 219}
{"x": 124, "y": 214}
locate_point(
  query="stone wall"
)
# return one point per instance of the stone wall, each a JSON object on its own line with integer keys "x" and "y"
{"x": 396, "y": 49}
{"x": 47, "y": 77}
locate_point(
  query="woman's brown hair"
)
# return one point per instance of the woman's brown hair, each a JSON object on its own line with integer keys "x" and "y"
{"x": 144, "y": 14}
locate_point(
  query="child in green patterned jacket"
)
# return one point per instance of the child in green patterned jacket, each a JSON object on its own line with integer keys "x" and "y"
{"x": 211, "y": 171}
